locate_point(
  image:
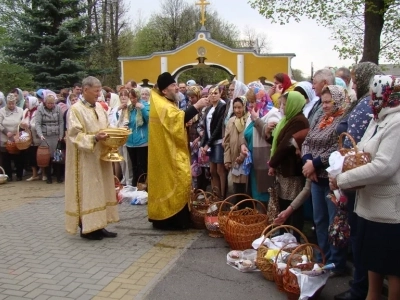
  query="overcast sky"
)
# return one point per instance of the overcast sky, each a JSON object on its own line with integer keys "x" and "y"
{"x": 310, "y": 42}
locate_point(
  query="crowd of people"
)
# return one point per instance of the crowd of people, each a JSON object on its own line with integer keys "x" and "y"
{"x": 263, "y": 136}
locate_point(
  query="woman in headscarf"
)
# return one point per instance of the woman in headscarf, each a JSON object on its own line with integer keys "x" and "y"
{"x": 20, "y": 97}
{"x": 50, "y": 129}
{"x": 137, "y": 143}
{"x": 261, "y": 121}
{"x": 284, "y": 163}
{"x": 233, "y": 159}
{"x": 29, "y": 121}
{"x": 305, "y": 88}
{"x": 10, "y": 117}
{"x": 355, "y": 121}
{"x": 378, "y": 202}
{"x": 320, "y": 142}
{"x": 282, "y": 84}
{"x": 236, "y": 89}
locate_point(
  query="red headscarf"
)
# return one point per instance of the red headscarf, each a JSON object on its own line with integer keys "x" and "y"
{"x": 287, "y": 82}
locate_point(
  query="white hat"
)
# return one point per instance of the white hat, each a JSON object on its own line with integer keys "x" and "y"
{"x": 191, "y": 82}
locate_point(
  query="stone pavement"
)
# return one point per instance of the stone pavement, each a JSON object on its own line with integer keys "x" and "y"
{"x": 39, "y": 260}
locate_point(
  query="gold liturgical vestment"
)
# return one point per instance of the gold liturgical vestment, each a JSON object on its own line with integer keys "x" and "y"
{"x": 89, "y": 181}
{"x": 169, "y": 177}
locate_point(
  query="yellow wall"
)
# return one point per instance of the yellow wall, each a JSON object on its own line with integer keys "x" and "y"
{"x": 255, "y": 66}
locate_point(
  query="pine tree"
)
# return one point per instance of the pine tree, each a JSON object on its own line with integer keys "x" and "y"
{"x": 50, "y": 42}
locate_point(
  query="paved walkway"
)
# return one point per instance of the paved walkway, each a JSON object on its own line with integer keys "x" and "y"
{"x": 39, "y": 260}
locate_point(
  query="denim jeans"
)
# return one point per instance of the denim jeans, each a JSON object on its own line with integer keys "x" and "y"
{"x": 324, "y": 213}
{"x": 359, "y": 288}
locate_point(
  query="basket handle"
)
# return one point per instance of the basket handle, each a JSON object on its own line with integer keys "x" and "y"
{"x": 341, "y": 138}
{"x": 143, "y": 174}
{"x": 196, "y": 192}
{"x": 231, "y": 196}
{"x": 301, "y": 247}
{"x": 287, "y": 228}
{"x": 117, "y": 181}
{"x": 254, "y": 201}
{"x": 4, "y": 172}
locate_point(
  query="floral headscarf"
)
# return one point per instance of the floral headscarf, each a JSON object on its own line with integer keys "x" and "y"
{"x": 338, "y": 97}
{"x": 263, "y": 101}
{"x": 385, "y": 93}
{"x": 363, "y": 73}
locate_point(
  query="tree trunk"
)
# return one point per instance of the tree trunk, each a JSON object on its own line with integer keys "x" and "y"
{"x": 374, "y": 19}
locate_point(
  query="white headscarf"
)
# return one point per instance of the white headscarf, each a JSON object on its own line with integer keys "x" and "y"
{"x": 32, "y": 102}
{"x": 312, "y": 98}
{"x": 240, "y": 90}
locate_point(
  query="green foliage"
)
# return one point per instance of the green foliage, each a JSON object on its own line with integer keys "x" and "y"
{"x": 176, "y": 25}
{"x": 49, "y": 42}
{"x": 12, "y": 76}
{"x": 298, "y": 75}
{"x": 345, "y": 18}
{"x": 204, "y": 76}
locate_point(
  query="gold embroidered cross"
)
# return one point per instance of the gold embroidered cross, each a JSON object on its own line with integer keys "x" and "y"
{"x": 203, "y": 4}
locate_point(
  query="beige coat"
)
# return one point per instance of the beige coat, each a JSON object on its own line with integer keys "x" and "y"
{"x": 232, "y": 142}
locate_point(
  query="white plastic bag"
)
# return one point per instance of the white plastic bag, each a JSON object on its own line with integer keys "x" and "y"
{"x": 130, "y": 194}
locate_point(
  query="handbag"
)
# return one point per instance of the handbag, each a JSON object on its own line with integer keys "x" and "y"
{"x": 273, "y": 203}
{"x": 59, "y": 153}
{"x": 43, "y": 155}
{"x": 339, "y": 230}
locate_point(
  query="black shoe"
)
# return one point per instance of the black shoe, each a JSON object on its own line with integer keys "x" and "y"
{"x": 49, "y": 181}
{"x": 19, "y": 178}
{"x": 108, "y": 234}
{"x": 347, "y": 295}
{"x": 94, "y": 236}
{"x": 60, "y": 181}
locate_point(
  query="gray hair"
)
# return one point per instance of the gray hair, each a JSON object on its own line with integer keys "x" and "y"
{"x": 90, "y": 81}
{"x": 325, "y": 74}
{"x": 345, "y": 73}
{"x": 145, "y": 89}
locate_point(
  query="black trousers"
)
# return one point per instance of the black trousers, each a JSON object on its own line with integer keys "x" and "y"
{"x": 18, "y": 160}
{"x": 202, "y": 181}
{"x": 59, "y": 170}
{"x": 139, "y": 157}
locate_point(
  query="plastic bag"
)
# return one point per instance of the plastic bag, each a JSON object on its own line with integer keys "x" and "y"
{"x": 130, "y": 194}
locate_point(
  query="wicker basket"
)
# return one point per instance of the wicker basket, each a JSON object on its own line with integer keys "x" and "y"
{"x": 23, "y": 143}
{"x": 211, "y": 220}
{"x": 11, "y": 147}
{"x": 245, "y": 225}
{"x": 43, "y": 155}
{"x": 264, "y": 265}
{"x": 355, "y": 160}
{"x": 279, "y": 273}
{"x": 290, "y": 284}
{"x": 225, "y": 208}
{"x": 142, "y": 185}
{"x": 3, "y": 177}
{"x": 118, "y": 187}
{"x": 198, "y": 206}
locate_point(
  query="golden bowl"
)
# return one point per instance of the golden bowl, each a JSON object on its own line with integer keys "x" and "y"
{"x": 117, "y": 137}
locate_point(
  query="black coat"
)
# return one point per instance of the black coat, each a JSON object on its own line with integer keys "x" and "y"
{"x": 217, "y": 121}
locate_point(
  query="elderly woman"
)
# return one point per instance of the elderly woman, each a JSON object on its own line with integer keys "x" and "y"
{"x": 10, "y": 117}
{"x": 137, "y": 143}
{"x": 320, "y": 142}
{"x": 261, "y": 121}
{"x": 377, "y": 204}
{"x": 20, "y": 97}
{"x": 145, "y": 94}
{"x": 50, "y": 129}
{"x": 355, "y": 121}
{"x": 284, "y": 162}
{"x": 29, "y": 121}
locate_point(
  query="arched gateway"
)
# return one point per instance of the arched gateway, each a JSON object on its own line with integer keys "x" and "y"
{"x": 244, "y": 64}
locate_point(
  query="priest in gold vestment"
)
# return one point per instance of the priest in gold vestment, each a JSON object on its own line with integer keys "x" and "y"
{"x": 169, "y": 178}
{"x": 90, "y": 201}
